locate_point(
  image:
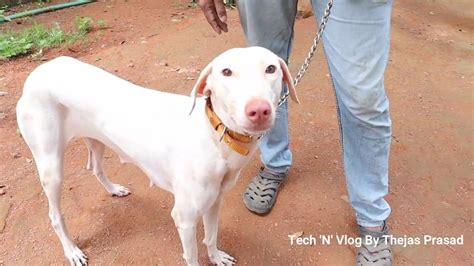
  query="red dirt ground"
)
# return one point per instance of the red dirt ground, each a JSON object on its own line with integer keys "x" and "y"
{"x": 429, "y": 81}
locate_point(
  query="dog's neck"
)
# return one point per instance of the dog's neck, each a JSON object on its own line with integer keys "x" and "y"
{"x": 232, "y": 138}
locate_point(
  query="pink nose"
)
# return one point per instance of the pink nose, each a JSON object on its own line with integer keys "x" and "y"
{"x": 258, "y": 111}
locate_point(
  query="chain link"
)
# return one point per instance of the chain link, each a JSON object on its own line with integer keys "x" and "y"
{"x": 308, "y": 59}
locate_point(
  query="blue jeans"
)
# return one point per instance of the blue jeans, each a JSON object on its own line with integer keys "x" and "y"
{"x": 356, "y": 43}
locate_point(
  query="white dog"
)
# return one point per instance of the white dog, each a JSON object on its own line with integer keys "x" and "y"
{"x": 195, "y": 156}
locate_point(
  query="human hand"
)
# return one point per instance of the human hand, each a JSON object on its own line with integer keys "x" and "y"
{"x": 214, "y": 11}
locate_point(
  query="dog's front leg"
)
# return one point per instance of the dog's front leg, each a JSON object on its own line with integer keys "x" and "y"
{"x": 185, "y": 219}
{"x": 211, "y": 222}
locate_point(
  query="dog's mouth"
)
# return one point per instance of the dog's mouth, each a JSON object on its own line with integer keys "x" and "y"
{"x": 251, "y": 129}
{"x": 257, "y": 129}
{"x": 254, "y": 129}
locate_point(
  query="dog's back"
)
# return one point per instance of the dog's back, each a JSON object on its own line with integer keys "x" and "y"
{"x": 85, "y": 96}
{"x": 86, "y": 86}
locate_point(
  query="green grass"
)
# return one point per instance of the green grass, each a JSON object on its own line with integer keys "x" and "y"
{"x": 83, "y": 25}
{"x": 101, "y": 24}
{"x": 37, "y": 38}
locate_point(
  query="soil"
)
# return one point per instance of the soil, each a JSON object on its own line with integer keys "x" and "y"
{"x": 163, "y": 45}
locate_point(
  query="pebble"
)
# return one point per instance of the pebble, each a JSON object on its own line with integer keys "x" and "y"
{"x": 345, "y": 198}
{"x": 297, "y": 234}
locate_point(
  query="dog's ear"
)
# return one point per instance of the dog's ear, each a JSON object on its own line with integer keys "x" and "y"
{"x": 288, "y": 80}
{"x": 200, "y": 85}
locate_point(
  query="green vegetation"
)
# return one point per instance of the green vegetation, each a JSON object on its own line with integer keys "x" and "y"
{"x": 101, "y": 24}
{"x": 31, "y": 39}
{"x": 83, "y": 25}
{"x": 37, "y": 38}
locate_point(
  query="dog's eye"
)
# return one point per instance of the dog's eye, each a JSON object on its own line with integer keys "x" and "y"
{"x": 270, "y": 69}
{"x": 227, "y": 72}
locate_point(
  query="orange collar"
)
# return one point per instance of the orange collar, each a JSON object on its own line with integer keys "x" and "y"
{"x": 229, "y": 136}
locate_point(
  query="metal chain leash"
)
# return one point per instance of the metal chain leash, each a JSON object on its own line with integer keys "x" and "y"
{"x": 308, "y": 59}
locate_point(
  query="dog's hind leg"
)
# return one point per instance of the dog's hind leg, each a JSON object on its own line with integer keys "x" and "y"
{"x": 50, "y": 170}
{"x": 42, "y": 130}
{"x": 94, "y": 162}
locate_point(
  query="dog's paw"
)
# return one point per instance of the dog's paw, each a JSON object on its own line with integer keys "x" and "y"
{"x": 76, "y": 256}
{"x": 119, "y": 190}
{"x": 221, "y": 258}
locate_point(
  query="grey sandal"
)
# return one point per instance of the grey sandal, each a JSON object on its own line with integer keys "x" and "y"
{"x": 261, "y": 192}
{"x": 374, "y": 255}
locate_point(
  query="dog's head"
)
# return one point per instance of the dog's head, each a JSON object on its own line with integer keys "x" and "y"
{"x": 244, "y": 85}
